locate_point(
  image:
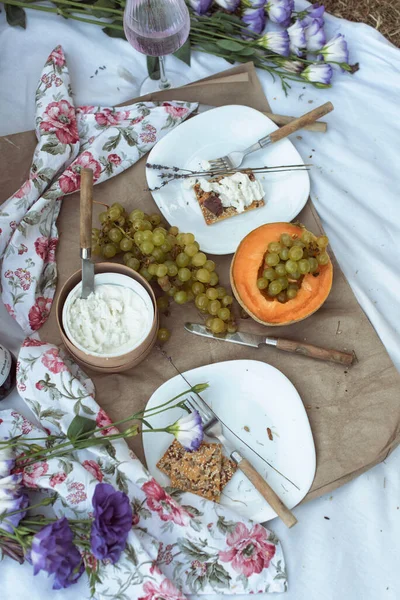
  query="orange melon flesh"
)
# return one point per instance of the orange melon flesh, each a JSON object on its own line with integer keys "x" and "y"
{"x": 244, "y": 274}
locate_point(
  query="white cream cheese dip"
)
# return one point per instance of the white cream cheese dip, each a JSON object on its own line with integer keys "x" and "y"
{"x": 111, "y": 320}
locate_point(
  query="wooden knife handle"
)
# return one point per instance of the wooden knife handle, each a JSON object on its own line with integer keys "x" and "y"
{"x": 343, "y": 358}
{"x": 299, "y": 123}
{"x": 280, "y": 120}
{"x": 86, "y": 206}
{"x": 265, "y": 490}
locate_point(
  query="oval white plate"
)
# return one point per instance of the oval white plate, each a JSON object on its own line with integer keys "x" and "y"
{"x": 253, "y": 395}
{"x": 111, "y": 279}
{"x": 213, "y": 134}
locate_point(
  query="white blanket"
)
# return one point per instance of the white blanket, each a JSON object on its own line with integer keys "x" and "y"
{"x": 355, "y": 186}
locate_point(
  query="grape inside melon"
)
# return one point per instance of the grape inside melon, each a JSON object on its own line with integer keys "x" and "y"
{"x": 281, "y": 273}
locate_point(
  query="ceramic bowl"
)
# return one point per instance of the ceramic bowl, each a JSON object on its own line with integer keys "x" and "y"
{"x": 132, "y": 357}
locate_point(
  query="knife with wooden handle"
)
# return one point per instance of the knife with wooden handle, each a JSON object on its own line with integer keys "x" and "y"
{"x": 255, "y": 340}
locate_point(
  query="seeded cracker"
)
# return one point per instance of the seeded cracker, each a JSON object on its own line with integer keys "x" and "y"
{"x": 192, "y": 479}
{"x": 199, "y": 472}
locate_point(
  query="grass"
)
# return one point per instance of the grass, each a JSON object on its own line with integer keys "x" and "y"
{"x": 383, "y": 15}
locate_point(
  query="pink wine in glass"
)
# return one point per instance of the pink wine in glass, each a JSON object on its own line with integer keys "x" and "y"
{"x": 157, "y": 28}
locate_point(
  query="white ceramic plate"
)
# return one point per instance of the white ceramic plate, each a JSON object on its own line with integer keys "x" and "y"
{"x": 111, "y": 279}
{"x": 213, "y": 134}
{"x": 247, "y": 394}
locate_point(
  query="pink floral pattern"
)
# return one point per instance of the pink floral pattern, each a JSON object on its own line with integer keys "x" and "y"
{"x": 164, "y": 591}
{"x": 57, "y": 478}
{"x": 250, "y": 552}
{"x": 166, "y": 507}
{"x": 46, "y": 248}
{"x": 102, "y": 420}
{"x": 114, "y": 158}
{"x": 175, "y": 111}
{"x": 29, "y": 342}
{"x": 93, "y": 468}
{"x": 32, "y": 473}
{"x": 57, "y": 57}
{"x": 70, "y": 180}
{"x": 76, "y": 493}
{"x": 23, "y": 190}
{"x": 108, "y": 117}
{"x": 59, "y": 118}
{"x": 51, "y": 359}
{"x": 200, "y": 547}
{"x": 39, "y": 312}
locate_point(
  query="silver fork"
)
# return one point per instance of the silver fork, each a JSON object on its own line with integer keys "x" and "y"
{"x": 233, "y": 160}
{"x": 213, "y": 428}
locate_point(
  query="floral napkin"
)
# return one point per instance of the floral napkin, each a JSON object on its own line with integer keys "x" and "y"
{"x": 106, "y": 140}
{"x": 179, "y": 543}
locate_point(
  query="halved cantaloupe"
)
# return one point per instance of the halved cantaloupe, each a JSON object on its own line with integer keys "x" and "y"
{"x": 246, "y": 263}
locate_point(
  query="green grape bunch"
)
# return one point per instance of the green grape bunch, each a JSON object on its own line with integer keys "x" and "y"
{"x": 169, "y": 259}
{"x": 287, "y": 261}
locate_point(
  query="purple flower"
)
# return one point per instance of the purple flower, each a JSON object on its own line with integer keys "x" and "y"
{"x": 276, "y": 41}
{"x": 12, "y": 503}
{"x": 188, "y": 430}
{"x": 112, "y": 522}
{"x": 316, "y": 11}
{"x": 297, "y": 38}
{"x": 53, "y": 551}
{"x": 7, "y": 460}
{"x": 336, "y": 50}
{"x": 320, "y": 74}
{"x": 315, "y": 35}
{"x": 200, "y": 7}
{"x": 279, "y": 11}
{"x": 229, "y": 5}
{"x": 254, "y": 19}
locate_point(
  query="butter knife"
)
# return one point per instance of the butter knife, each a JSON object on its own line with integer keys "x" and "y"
{"x": 255, "y": 340}
{"x": 86, "y": 205}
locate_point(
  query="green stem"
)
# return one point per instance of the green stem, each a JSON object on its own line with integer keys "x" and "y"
{"x": 56, "y": 11}
{"x": 89, "y": 6}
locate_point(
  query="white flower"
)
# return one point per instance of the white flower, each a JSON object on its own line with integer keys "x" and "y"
{"x": 10, "y": 485}
{"x": 336, "y": 50}
{"x": 319, "y": 74}
{"x": 7, "y": 456}
{"x": 188, "y": 431}
{"x": 276, "y": 41}
{"x": 297, "y": 38}
{"x": 315, "y": 35}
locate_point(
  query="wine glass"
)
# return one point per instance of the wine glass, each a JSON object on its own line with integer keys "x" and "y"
{"x": 157, "y": 28}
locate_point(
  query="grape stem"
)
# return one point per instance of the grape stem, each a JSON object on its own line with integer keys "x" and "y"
{"x": 102, "y": 204}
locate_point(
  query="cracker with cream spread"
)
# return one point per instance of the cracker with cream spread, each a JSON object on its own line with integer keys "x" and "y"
{"x": 211, "y": 205}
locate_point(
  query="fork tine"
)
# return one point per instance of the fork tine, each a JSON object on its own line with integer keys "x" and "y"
{"x": 192, "y": 406}
{"x": 202, "y": 407}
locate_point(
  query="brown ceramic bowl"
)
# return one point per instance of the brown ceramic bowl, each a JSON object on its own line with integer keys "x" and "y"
{"x": 114, "y": 364}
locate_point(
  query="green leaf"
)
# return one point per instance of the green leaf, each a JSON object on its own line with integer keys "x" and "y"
{"x": 230, "y": 18}
{"x": 230, "y": 45}
{"x": 87, "y": 410}
{"x": 248, "y": 51}
{"x": 184, "y": 52}
{"x": 53, "y": 413}
{"x": 209, "y": 47}
{"x": 218, "y": 576}
{"x": 80, "y": 427}
{"x": 131, "y": 554}
{"x": 226, "y": 526}
{"x": 130, "y": 137}
{"x": 15, "y": 16}
{"x": 153, "y": 67}
{"x": 121, "y": 481}
{"x": 99, "y": 4}
{"x": 53, "y": 148}
{"x": 112, "y": 142}
{"x": 192, "y": 551}
{"x": 114, "y": 33}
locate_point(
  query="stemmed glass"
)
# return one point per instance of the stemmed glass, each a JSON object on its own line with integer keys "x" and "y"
{"x": 157, "y": 28}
